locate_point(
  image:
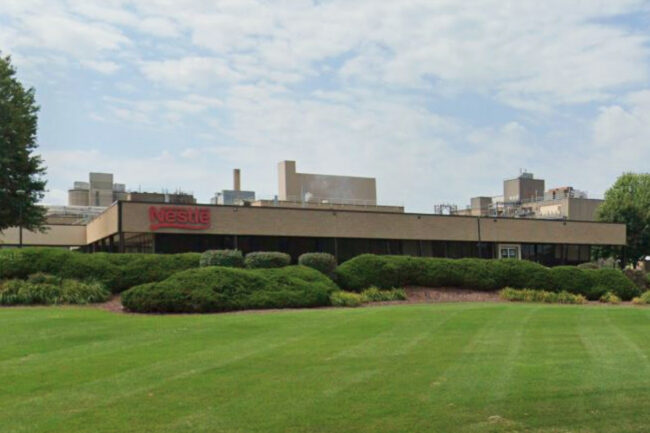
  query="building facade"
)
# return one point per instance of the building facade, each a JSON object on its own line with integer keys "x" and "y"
{"x": 164, "y": 228}
{"x": 322, "y": 188}
{"x": 526, "y": 197}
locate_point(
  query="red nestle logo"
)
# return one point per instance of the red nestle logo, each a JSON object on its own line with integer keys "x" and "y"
{"x": 189, "y": 218}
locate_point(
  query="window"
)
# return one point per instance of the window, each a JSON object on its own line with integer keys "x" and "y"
{"x": 509, "y": 251}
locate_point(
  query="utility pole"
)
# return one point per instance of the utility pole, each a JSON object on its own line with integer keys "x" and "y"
{"x": 20, "y": 193}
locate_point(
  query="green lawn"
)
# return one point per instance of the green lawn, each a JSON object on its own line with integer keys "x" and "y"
{"x": 411, "y": 368}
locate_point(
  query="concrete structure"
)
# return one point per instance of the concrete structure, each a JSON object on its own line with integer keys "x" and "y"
{"x": 178, "y": 197}
{"x": 98, "y": 191}
{"x": 321, "y": 188}
{"x": 234, "y": 196}
{"x": 523, "y": 188}
{"x": 146, "y": 227}
{"x": 525, "y": 197}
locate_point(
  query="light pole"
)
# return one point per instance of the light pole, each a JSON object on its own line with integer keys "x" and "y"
{"x": 20, "y": 193}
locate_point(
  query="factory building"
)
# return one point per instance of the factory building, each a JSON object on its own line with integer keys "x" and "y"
{"x": 345, "y": 224}
{"x": 527, "y": 197}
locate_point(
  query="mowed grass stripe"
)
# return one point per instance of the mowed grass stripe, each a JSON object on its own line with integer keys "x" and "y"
{"x": 452, "y": 367}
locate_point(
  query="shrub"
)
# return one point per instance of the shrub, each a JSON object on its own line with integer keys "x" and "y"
{"x": 115, "y": 271}
{"x": 47, "y": 289}
{"x": 638, "y": 277}
{"x": 385, "y": 272}
{"x": 214, "y": 289}
{"x": 573, "y": 280}
{"x": 270, "y": 259}
{"x": 323, "y": 262}
{"x": 610, "y": 298}
{"x": 528, "y": 295}
{"x": 373, "y": 294}
{"x": 346, "y": 299}
{"x": 613, "y": 280}
{"x": 230, "y": 258}
{"x": 644, "y": 299}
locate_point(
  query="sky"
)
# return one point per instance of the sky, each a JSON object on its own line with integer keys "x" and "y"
{"x": 440, "y": 100}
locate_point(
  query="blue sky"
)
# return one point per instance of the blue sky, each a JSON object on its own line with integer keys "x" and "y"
{"x": 439, "y": 100}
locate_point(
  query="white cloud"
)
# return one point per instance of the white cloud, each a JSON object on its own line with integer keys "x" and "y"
{"x": 438, "y": 100}
{"x": 104, "y": 67}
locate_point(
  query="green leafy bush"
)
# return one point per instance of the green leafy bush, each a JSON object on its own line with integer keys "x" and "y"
{"x": 230, "y": 258}
{"x": 48, "y": 289}
{"x": 529, "y": 295}
{"x": 644, "y": 299}
{"x": 610, "y": 298}
{"x": 385, "y": 272}
{"x": 323, "y": 262}
{"x": 373, "y": 294}
{"x": 612, "y": 280}
{"x": 638, "y": 277}
{"x": 346, "y": 299}
{"x": 214, "y": 289}
{"x": 573, "y": 280}
{"x": 115, "y": 271}
{"x": 270, "y": 259}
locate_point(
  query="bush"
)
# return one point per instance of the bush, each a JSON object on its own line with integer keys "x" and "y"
{"x": 117, "y": 272}
{"x": 214, "y": 289}
{"x": 385, "y": 272}
{"x": 610, "y": 298}
{"x": 612, "y": 280}
{"x": 323, "y": 262}
{"x": 346, "y": 299}
{"x": 528, "y": 295}
{"x": 573, "y": 280}
{"x": 638, "y": 277}
{"x": 373, "y": 294}
{"x": 48, "y": 289}
{"x": 230, "y": 258}
{"x": 644, "y": 299}
{"x": 270, "y": 259}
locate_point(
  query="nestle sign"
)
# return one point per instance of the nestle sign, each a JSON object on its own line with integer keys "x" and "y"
{"x": 188, "y": 218}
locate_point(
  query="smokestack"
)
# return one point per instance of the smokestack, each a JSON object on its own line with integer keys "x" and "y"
{"x": 236, "y": 177}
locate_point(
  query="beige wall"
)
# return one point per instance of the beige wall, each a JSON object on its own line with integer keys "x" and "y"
{"x": 583, "y": 209}
{"x": 294, "y": 186}
{"x": 56, "y": 235}
{"x": 105, "y": 224}
{"x": 319, "y": 223}
{"x": 544, "y": 231}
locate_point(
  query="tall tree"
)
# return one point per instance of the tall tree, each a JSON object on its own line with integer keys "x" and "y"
{"x": 21, "y": 171}
{"x": 628, "y": 202}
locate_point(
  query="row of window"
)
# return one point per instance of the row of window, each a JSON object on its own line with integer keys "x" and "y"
{"x": 345, "y": 248}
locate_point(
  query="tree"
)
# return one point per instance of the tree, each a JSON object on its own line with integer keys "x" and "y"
{"x": 628, "y": 202}
{"x": 21, "y": 171}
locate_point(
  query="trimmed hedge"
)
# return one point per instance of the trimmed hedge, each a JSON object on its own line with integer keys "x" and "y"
{"x": 323, "y": 262}
{"x": 48, "y": 289}
{"x": 267, "y": 259}
{"x": 230, "y": 258}
{"x": 215, "y": 289}
{"x": 386, "y": 272}
{"x": 117, "y": 272}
